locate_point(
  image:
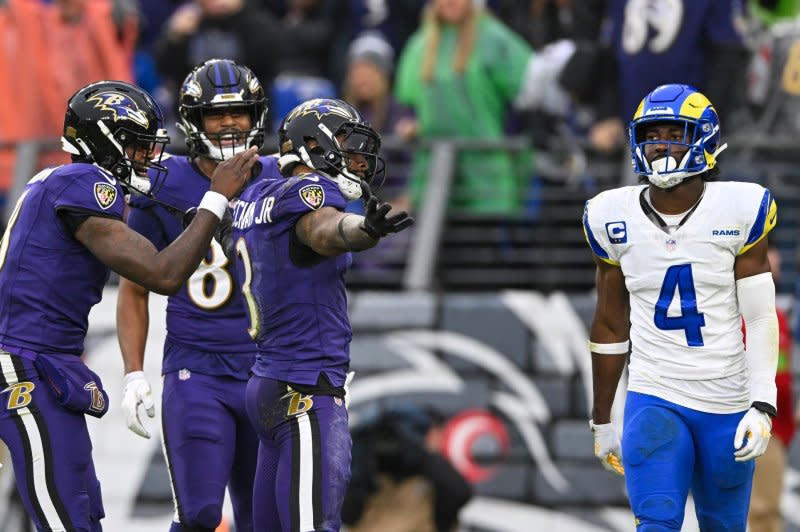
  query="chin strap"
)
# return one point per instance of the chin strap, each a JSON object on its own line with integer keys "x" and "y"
{"x": 349, "y": 184}
{"x": 351, "y": 190}
{"x": 719, "y": 150}
{"x": 671, "y": 179}
{"x": 219, "y": 154}
{"x": 140, "y": 184}
{"x": 286, "y": 162}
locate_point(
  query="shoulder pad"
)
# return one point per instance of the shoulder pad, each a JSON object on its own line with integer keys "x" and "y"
{"x": 759, "y": 212}
{"x": 605, "y": 221}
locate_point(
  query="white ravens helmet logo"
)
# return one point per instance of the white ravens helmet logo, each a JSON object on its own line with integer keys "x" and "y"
{"x": 322, "y": 107}
{"x": 192, "y": 88}
{"x": 253, "y": 84}
{"x": 122, "y": 107}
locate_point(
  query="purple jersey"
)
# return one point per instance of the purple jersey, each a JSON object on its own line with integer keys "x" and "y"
{"x": 298, "y": 312}
{"x": 48, "y": 280}
{"x": 667, "y": 42}
{"x": 206, "y": 319}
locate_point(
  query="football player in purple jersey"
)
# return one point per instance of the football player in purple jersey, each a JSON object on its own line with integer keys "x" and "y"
{"x": 208, "y": 353}
{"x": 293, "y": 242}
{"x": 64, "y": 234}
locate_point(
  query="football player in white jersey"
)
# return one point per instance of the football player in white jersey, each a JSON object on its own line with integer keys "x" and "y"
{"x": 681, "y": 260}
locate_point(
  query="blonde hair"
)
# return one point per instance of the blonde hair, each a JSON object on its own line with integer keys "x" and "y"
{"x": 467, "y": 30}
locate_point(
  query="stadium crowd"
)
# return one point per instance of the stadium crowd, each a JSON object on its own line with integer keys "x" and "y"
{"x": 563, "y": 76}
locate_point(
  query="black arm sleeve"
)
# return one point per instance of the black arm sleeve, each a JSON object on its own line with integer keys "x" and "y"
{"x": 224, "y": 236}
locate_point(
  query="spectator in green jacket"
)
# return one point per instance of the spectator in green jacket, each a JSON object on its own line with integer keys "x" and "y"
{"x": 459, "y": 73}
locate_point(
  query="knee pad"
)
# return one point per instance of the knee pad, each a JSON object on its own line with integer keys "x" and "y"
{"x": 659, "y": 512}
{"x": 648, "y": 431}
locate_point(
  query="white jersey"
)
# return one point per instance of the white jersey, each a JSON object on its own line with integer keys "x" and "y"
{"x": 686, "y": 329}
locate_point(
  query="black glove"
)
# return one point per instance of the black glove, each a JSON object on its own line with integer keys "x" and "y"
{"x": 375, "y": 223}
{"x": 223, "y": 234}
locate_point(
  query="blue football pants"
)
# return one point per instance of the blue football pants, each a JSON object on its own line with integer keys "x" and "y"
{"x": 669, "y": 449}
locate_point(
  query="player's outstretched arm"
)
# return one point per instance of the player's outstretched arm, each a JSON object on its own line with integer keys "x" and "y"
{"x": 133, "y": 256}
{"x": 133, "y": 319}
{"x": 330, "y": 232}
{"x": 377, "y": 222}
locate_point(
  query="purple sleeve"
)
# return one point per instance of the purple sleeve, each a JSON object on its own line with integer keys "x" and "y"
{"x": 92, "y": 194}
{"x": 308, "y": 194}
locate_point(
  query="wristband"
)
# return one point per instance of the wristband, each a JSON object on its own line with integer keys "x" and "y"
{"x": 593, "y": 425}
{"x": 214, "y": 202}
{"x": 619, "y": 348}
{"x": 342, "y": 235}
{"x": 767, "y": 408}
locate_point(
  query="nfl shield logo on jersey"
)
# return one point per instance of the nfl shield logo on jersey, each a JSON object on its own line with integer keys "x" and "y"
{"x": 312, "y": 195}
{"x": 105, "y": 194}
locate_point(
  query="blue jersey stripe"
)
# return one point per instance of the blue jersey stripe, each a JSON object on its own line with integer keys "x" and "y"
{"x": 593, "y": 243}
{"x": 761, "y": 218}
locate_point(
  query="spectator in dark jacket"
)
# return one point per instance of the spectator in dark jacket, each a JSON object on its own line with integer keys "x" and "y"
{"x": 207, "y": 29}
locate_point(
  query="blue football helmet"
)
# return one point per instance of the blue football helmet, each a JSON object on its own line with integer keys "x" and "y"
{"x": 692, "y": 111}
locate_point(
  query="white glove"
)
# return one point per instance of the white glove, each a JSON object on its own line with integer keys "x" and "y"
{"x": 757, "y": 427}
{"x": 347, "y": 382}
{"x": 607, "y": 447}
{"x": 136, "y": 391}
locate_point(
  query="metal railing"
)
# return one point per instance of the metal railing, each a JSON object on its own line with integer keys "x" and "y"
{"x": 424, "y": 249}
{"x": 769, "y": 159}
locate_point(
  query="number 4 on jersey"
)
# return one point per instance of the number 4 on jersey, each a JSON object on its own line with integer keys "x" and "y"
{"x": 690, "y": 320}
